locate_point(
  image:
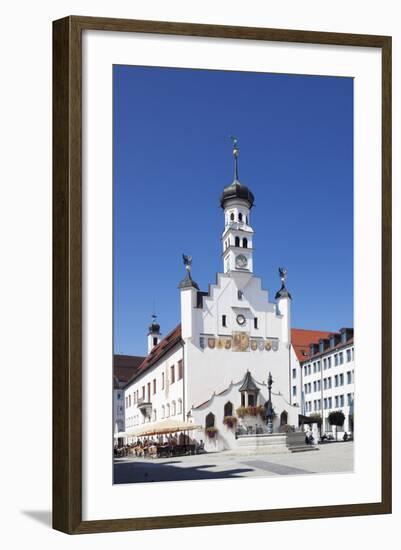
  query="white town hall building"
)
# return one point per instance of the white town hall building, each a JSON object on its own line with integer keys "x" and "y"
{"x": 213, "y": 368}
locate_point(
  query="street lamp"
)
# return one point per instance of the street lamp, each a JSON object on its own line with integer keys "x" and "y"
{"x": 269, "y": 406}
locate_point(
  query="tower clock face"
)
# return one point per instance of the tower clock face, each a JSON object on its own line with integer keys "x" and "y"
{"x": 241, "y": 261}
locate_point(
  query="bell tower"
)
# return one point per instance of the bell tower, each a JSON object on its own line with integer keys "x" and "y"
{"x": 154, "y": 335}
{"x": 237, "y": 238}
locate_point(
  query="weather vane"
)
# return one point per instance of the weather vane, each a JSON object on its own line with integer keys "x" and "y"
{"x": 235, "y": 145}
{"x": 187, "y": 262}
{"x": 235, "y": 154}
{"x": 283, "y": 274}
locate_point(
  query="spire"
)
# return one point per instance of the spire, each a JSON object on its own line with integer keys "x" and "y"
{"x": 235, "y": 155}
{"x": 283, "y": 292}
{"x": 236, "y": 190}
{"x": 187, "y": 281}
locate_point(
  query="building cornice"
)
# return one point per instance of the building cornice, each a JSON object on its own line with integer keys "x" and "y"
{"x": 340, "y": 346}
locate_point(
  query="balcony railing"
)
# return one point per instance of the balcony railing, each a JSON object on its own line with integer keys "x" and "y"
{"x": 144, "y": 406}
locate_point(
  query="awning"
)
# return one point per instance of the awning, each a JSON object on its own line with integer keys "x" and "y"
{"x": 122, "y": 434}
{"x": 164, "y": 427}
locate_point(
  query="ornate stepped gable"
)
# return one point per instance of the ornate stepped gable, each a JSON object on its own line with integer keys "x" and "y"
{"x": 300, "y": 339}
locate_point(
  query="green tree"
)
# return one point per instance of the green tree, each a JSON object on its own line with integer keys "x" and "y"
{"x": 336, "y": 418}
{"x": 316, "y": 417}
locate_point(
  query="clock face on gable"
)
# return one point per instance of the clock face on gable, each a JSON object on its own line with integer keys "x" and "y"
{"x": 241, "y": 319}
{"x": 241, "y": 261}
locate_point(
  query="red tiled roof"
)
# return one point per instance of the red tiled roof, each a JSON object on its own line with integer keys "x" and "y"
{"x": 302, "y": 338}
{"x": 336, "y": 347}
{"x": 124, "y": 367}
{"x": 158, "y": 352}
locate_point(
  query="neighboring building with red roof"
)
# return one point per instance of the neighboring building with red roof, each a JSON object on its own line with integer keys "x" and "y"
{"x": 326, "y": 374}
{"x": 301, "y": 340}
{"x": 124, "y": 367}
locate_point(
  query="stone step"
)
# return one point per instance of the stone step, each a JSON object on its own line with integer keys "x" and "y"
{"x": 303, "y": 448}
{"x": 253, "y": 451}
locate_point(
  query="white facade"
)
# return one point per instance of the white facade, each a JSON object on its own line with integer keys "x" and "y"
{"x": 157, "y": 394}
{"x": 233, "y": 328}
{"x": 327, "y": 381}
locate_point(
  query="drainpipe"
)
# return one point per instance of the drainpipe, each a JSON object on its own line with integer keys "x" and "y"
{"x": 183, "y": 381}
{"x": 321, "y": 395}
{"x": 290, "y": 373}
{"x": 301, "y": 389}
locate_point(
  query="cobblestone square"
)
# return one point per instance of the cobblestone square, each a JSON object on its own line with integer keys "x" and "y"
{"x": 329, "y": 458}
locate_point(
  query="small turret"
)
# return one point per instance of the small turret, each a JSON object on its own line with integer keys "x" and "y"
{"x": 283, "y": 298}
{"x": 154, "y": 334}
{"x": 188, "y": 290}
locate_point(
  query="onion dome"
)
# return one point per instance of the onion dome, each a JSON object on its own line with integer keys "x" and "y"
{"x": 154, "y": 327}
{"x": 236, "y": 190}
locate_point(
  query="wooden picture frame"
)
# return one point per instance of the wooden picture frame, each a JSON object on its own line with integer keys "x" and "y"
{"x": 67, "y": 274}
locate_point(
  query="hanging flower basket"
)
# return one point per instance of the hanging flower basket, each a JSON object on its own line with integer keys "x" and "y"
{"x": 230, "y": 421}
{"x": 211, "y": 431}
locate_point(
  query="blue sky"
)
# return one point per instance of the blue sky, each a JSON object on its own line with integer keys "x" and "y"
{"x": 172, "y": 159}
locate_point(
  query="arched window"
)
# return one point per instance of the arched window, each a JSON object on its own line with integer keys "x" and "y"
{"x": 210, "y": 420}
{"x": 245, "y": 242}
{"x": 240, "y": 217}
{"x": 228, "y": 409}
{"x": 168, "y": 410}
{"x": 283, "y": 418}
{"x": 240, "y": 295}
{"x": 179, "y": 411}
{"x": 236, "y": 241}
{"x": 173, "y": 411}
{"x": 232, "y": 216}
{"x": 163, "y": 411}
